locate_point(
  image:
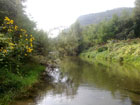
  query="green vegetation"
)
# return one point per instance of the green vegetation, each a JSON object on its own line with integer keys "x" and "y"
{"x": 15, "y": 85}
{"x": 116, "y": 39}
{"x": 23, "y": 48}
{"x": 20, "y": 46}
{"x": 127, "y": 51}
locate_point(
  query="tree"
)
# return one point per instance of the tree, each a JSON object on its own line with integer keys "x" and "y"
{"x": 137, "y": 18}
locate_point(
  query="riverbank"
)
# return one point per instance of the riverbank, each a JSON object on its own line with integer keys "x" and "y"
{"x": 17, "y": 84}
{"x": 125, "y": 51}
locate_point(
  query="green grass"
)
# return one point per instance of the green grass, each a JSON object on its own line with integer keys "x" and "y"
{"x": 126, "y": 51}
{"x": 13, "y": 85}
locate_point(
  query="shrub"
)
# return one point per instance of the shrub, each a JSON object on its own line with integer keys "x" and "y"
{"x": 15, "y": 44}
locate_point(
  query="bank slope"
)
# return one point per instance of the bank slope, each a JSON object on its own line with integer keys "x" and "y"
{"x": 126, "y": 51}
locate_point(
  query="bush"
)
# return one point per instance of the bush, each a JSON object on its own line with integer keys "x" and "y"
{"x": 15, "y": 44}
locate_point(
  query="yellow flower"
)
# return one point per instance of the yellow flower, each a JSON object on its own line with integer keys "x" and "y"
{"x": 31, "y": 45}
{"x": 29, "y": 50}
{"x": 8, "y": 23}
{"x": 4, "y": 51}
{"x": 7, "y": 19}
{"x": 16, "y": 27}
{"x": 26, "y": 39}
{"x": 12, "y": 21}
{"x": 25, "y": 54}
{"x": 26, "y": 35}
{"x": 31, "y": 39}
{"x": 4, "y": 27}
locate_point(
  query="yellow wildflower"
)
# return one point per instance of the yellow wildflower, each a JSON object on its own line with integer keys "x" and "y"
{"x": 8, "y": 23}
{"x": 31, "y": 45}
{"x": 31, "y": 39}
{"x": 7, "y": 19}
{"x": 12, "y": 21}
{"x": 25, "y": 54}
{"x": 4, "y": 51}
{"x": 29, "y": 50}
{"x": 4, "y": 27}
{"x": 16, "y": 27}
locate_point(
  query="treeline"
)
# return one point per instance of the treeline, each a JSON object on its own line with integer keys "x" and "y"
{"x": 78, "y": 38}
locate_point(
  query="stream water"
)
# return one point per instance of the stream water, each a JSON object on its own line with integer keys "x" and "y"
{"x": 77, "y": 82}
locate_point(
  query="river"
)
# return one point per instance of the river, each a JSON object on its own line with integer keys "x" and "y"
{"x": 77, "y": 82}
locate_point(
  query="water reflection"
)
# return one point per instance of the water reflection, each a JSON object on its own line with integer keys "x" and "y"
{"x": 80, "y": 83}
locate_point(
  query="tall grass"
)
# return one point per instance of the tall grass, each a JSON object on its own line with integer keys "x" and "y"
{"x": 12, "y": 85}
{"x": 127, "y": 51}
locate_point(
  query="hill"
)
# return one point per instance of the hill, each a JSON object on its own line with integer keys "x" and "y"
{"x": 95, "y": 18}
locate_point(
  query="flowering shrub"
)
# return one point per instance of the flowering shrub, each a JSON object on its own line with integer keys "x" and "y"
{"x": 15, "y": 43}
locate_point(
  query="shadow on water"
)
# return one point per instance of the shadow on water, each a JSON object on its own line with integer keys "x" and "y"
{"x": 77, "y": 82}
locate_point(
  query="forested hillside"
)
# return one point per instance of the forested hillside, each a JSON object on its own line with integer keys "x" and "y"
{"x": 96, "y": 18}
{"x": 122, "y": 27}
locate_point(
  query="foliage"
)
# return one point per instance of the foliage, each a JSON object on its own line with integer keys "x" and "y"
{"x": 67, "y": 43}
{"x": 14, "y": 9}
{"x": 123, "y": 27}
{"x": 137, "y": 18}
{"x": 125, "y": 51}
{"x": 101, "y": 49}
{"x": 15, "y": 43}
{"x": 17, "y": 47}
{"x": 42, "y": 43}
{"x": 12, "y": 85}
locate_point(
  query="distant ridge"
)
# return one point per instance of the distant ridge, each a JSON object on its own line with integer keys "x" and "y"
{"x": 95, "y": 18}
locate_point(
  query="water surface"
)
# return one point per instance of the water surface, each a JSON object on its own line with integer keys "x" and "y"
{"x": 77, "y": 82}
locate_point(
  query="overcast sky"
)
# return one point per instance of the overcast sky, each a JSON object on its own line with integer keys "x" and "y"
{"x": 53, "y": 13}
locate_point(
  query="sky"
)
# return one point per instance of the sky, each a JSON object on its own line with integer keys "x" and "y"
{"x": 49, "y": 14}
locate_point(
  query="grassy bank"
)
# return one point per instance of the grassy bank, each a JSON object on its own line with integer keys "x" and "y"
{"x": 126, "y": 51}
{"x": 13, "y": 85}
